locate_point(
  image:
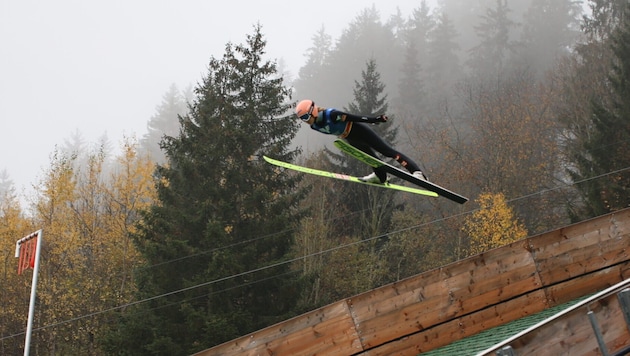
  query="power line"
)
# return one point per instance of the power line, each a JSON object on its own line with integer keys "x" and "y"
{"x": 296, "y": 259}
{"x": 278, "y": 264}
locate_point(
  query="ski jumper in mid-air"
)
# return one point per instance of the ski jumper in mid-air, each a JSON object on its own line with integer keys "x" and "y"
{"x": 353, "y": 129}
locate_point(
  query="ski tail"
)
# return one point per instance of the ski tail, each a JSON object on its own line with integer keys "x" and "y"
{"x": 377, "y": 163}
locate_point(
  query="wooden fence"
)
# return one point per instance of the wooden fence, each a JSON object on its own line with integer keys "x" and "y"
{"x": 435, "y": 308}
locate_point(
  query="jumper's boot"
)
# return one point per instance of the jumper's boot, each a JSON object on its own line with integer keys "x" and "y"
{"x": 373, "y": 178}
{"x": 420, "y": 175}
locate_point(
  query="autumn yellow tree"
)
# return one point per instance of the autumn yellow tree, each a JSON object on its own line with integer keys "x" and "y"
{"x": 88, "y": 206}
{"x": 129, "y": 191}
{"x": 492, "y": 225}
{"x": 14, "y": 289}
{"x": 59, "y": 290}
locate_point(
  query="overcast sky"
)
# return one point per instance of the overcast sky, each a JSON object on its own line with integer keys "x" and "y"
{"x": 102, "y": 67}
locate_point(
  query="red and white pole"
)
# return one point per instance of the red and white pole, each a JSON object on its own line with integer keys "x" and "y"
{"x": 31, "y": 307}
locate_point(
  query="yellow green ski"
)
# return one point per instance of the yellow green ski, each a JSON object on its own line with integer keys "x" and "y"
{"x": 348, "y": 178}
{"x": 377, "y": 163}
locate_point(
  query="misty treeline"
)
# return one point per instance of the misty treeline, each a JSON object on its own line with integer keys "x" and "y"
{"x": 185, "y": 238}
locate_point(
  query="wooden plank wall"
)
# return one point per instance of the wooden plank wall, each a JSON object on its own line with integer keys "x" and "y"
{"x": 570, "y": 332}
{"x": 435, "y": 308}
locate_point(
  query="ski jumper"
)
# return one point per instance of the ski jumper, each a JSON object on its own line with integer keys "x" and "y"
{"x": 349, "y": 127}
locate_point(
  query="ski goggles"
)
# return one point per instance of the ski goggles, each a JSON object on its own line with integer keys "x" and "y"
{"x": 307, "y": 116}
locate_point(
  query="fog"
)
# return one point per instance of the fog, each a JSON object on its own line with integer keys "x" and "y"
{"x": 99, "y": 69}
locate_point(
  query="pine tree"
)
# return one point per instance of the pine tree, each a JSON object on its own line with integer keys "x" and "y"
{"x": 6, "y": 185}
{"x": 604, "y": 17}
{"x": 165, "y": 122}
{"x": 411, "y": 86}
{"x": 420, "y": 25}
{"x": 550, "y": 28}
{"x": 584, "y": 76}
{"x": 603, "y": 163}
{"x": 214, "y": 241}
{"x": 443, "y": 68}
{"x": 317, "y": 56}
{"x": 491, "y": 56}
{"x": 368, "y": 94}
{"x": 365, "y": 37}
{"x": 375, "y": 205}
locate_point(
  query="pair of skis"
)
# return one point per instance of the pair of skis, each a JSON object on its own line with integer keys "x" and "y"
{"x": 429, "y": 189}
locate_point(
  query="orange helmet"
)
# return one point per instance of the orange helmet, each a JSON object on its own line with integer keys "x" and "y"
{"x": 305, "y": 109}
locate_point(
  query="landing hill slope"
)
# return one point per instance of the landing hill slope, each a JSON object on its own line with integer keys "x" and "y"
{"x": 436, "y": 308}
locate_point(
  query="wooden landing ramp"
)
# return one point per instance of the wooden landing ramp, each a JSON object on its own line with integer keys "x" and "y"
{"x": 433, "y": 309}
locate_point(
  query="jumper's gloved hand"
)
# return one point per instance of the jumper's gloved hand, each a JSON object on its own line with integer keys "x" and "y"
{"x": 381, "y": 118}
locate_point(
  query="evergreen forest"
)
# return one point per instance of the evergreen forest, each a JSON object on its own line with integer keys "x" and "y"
{"x": 187, "y": 238}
